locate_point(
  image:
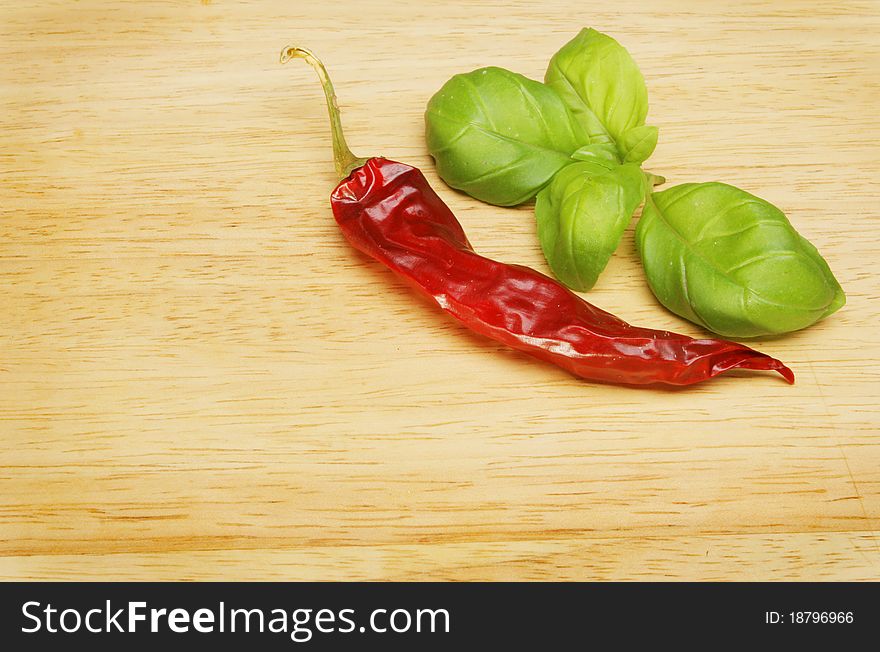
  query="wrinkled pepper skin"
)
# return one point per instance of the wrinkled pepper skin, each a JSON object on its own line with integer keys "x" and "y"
{"x": 388, "y": 211}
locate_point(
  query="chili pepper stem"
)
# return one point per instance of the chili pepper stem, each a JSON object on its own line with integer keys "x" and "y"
{"x": 345, "y": 160}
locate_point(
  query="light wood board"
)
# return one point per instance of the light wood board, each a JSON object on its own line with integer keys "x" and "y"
{"x": 199, "y": 378}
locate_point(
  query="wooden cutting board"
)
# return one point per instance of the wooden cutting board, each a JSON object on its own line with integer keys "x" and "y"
{"x": 199, "y": 379}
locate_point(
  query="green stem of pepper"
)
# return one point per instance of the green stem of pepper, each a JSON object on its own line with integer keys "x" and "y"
{"x": 345, "y": 160}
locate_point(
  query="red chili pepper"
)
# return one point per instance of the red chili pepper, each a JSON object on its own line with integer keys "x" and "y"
{"x": 387, "y": 210}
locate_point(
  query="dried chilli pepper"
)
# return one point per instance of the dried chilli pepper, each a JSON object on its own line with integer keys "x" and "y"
{"x": 388, "y": 210}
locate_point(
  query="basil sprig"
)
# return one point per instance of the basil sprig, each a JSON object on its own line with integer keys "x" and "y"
{"x": 712, "y": 253}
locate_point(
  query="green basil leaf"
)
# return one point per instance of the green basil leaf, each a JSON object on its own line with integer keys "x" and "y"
{"x": 602, "y": 151}
{"x": 582, "y": 215}
{"x": 499, "y": 136}
{"x": 637, "y": 144}
{"x": 732, "y": 262}
{"x": 601, "y": 84}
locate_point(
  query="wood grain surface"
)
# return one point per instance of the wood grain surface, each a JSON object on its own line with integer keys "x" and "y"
{"x": 199, "y": 378}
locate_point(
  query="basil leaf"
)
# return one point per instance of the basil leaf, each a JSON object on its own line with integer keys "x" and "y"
{"x": 582, "y": 215}
{"x": 601, "y": 84}
{"x": 732, "y": 262}
{"x": 601, "y": 151}
{"x": 499, "y": 136}
{"x": 637, "y": 144}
